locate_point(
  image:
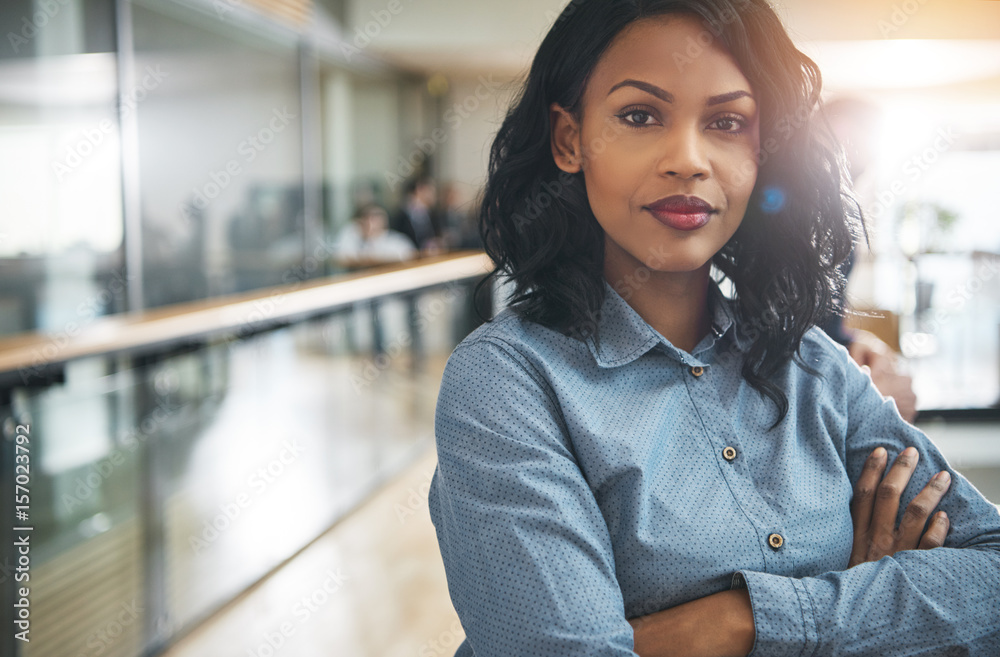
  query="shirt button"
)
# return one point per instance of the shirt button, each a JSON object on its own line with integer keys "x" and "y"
{"x": 775, "y": 541}
{"x": 697, "y": 371}
{"x": 729, "y": 453}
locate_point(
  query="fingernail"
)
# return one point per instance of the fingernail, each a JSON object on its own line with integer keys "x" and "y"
{"x": 944, "y": 476}
{"x": 879, "y": 453}
{"x": 910, "y": 451}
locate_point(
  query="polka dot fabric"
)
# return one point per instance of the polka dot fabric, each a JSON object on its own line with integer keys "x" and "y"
{"x": 579, "y": 486}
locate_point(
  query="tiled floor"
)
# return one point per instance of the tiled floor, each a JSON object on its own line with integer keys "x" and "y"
{"x": 373, "y": 586}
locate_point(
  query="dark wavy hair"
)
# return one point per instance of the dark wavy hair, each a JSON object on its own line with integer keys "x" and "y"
{"x": 537, "y": 225}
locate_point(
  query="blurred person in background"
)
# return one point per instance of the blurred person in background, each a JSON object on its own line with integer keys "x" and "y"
{"x": 854, "y": 122}
{"x": 417, "y": 218}
{"x": 367, "y": 241}
{"x": 458, "y": 220}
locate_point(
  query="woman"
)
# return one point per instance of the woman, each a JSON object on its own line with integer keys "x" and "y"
{"x": 628, "y": 460}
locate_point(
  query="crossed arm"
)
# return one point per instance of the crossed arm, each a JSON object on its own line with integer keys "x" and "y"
{"x": 532, "y": 569}
{"x": 721, "y": 625}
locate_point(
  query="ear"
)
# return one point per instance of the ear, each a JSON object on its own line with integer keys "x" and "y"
{"x": 565, "y": 136}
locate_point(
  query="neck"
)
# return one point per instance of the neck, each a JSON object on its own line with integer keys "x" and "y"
{"x": 673, "y": 303}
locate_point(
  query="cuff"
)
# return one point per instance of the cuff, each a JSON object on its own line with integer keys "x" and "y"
{"x": 782, "y": 615}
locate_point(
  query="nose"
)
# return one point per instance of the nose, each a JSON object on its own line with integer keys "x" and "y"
{"x": 684, "y": 154}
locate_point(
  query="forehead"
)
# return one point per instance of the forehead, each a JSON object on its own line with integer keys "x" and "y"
{"x": 676, "y": 52}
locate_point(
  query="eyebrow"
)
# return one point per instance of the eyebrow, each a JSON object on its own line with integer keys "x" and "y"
{"x": 668, "y": 97}
{"x": 732, "y": 95}
{"x": 652, "y": 89}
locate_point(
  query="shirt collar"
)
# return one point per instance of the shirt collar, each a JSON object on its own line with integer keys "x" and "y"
{"x": 625, "y": 336}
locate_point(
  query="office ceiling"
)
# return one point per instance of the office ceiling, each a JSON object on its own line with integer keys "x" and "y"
{"x": 458, "y": 37}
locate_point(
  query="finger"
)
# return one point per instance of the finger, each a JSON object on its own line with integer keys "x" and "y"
{"x": 887, "y": 495}
{"x": 911, "y": 527}
{"x": 864, "y": 490}
{"x": 937, "y": 533}
{"x": 864, "y": 500}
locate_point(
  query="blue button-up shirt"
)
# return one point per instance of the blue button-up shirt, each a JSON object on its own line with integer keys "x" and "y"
{"x": 579, "y": 486}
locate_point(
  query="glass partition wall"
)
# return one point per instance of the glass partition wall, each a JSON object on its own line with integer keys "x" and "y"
{"x": 157, "y": 152}
{"x": 164, "y": 485}
{"x": 61, "y": 227}
{"x": 220, "y": 154}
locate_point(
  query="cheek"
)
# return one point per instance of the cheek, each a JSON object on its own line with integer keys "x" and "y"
{"x": 609, "y": 184}
{"x": 739, "y": 180}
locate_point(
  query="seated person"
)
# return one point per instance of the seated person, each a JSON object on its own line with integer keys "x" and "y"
{"x": 367, "y": 241}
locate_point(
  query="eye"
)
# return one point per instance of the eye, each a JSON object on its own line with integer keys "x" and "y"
{"x": 637, "y": 117}
{"x": 733, "y": 125}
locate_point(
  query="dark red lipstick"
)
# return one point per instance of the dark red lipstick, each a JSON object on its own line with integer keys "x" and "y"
{"x": 682, "y": 212}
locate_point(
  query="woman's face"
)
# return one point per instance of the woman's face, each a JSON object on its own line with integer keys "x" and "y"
{"x": 667, "y": 141}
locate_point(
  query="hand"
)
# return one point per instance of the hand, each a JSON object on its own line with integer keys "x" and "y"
{"x": 718, "y": 625}
{"x": 882, "y": 365}
{"x": 876, "y": 502}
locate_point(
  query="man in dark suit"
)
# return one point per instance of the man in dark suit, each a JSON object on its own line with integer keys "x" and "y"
{"x": 417, "y": 218}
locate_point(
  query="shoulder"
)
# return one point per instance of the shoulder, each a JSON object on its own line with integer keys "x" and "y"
{"x": 842, "y": 379}
{"x": 519, "y": 336}
{"x": 512, "y": 346}
{"x": 498, "y": 379}
{"x": 821, "y": 351}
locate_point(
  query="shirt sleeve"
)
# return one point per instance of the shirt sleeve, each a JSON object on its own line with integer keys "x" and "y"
{"x": 944, "y": 601}
{"x": 526, "y": 550}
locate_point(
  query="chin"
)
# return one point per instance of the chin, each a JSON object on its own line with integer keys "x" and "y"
{"x": 675, "y": 260}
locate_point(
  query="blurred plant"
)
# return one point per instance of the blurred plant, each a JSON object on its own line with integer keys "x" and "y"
{"x": 924, "y": 226}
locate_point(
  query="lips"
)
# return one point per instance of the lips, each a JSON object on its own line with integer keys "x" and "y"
{"x": 682, "y": 212}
